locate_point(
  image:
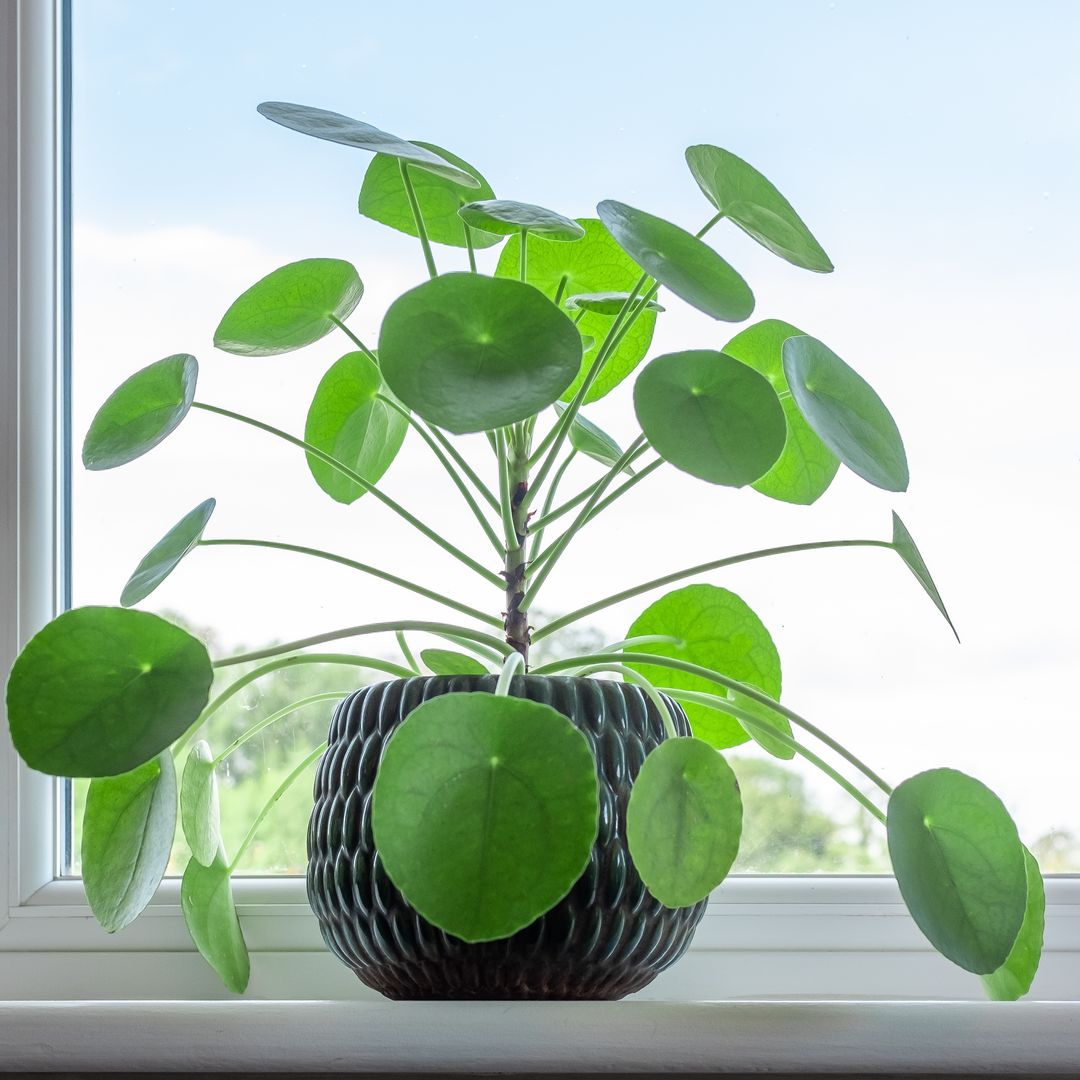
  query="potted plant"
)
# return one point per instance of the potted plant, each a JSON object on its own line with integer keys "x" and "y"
{"x": 495, "y": 829}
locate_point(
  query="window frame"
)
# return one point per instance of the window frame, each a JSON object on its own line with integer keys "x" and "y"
{"x": 763, "y": 936}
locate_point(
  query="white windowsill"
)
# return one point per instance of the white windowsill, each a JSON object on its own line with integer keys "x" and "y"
{"x": 645, "y": 1037}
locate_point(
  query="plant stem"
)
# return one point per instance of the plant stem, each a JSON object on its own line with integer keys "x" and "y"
{"x": 631, "y": 676}
{"x": 469, "y": 245}
{"x": 693, "y": 571}
{"x": 360, "y": 631}
{"x": 272, "y": 802}
{"x": 403, "y": 583}
{"x": 483, "y": 490}
{"x": 747, "y": 719}
{"x": 418, "y": 218}
{"x": 514, "y": 478}
{"x": 723, "y": 680}
{"x": 538, "y": 525}
{"x": 356, "y": 478}
{"x": 406, "y": 652}
{"x": 355, "y": 340}
{"x": 273, "y": 718}
{"x": 481, "y": 651}
{"x": 560, "y": 290}
{"x": 505, "y": 508}
{"x": 709, "y": 224}
{"x": 513, "y": 665}
{"x": 523, "y": 262}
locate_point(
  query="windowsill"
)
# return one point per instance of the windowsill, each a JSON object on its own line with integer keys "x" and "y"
{"x": 1035, "y": 1037}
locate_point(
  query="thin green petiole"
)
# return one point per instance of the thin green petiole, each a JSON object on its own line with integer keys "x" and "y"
{"x": 709, "y": 224}
{"x": 643, "y": 639}
{"x": 273, "y": 718}
{"x": 272, "y": 802}
{"x": 560, "y": 289}
{"x": 470, "y": 473}
{"x": 356, "y": 478}
{"x": 406, "y": 652}
{"x": 693, "y": 571}
{"x": 524, "y": 260}
{"x": 364, "y": 629}
{"x": 513, "y": 665}
{"x": 481, "y": 651}
{"x": 505, "y": 503}
{"x": 355, "y": 340}
{"x": 711, "y": 701}
{"x": 430, "y": 594}
{"x": 631, "y": 676}
{"x": 537, "y": 527}
{"x": 469, "y": 246}
{"x": 418, "y": 218}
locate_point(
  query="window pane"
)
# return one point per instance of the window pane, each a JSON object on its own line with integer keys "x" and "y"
{"x": 945, "y": 192}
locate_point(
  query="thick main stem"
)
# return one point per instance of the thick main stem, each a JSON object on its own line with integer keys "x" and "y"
{"x": 516, "y": 565}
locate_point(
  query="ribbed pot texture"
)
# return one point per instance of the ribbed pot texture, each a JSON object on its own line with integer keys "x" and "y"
{"x": 606, "y": 938}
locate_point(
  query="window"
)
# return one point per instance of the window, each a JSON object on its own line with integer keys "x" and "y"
{"x": 944, "y": 197}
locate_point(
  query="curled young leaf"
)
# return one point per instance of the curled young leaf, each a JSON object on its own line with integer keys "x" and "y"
{"x": 164, "y": 557}
{"x": 608, "y": 303}
{"x": 200, "y": 812}
{"x": 449, "y": 662}
{"x": 206, "y": 900}
{"x": 906, "y": 549}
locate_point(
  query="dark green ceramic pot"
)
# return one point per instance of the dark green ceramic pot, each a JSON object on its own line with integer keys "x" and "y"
{"x": 606, "y": 938}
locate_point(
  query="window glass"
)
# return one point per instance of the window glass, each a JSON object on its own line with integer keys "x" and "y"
{"x": 928, "y": 146}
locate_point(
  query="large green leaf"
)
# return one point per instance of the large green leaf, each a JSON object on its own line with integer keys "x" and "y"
{"x": 1013, "y": 979}
{"x": 717, "y": 630}
{"x": 383, "y": 198}
{"x": 684, "y": 821}
{"x": 127, "y": 837}
{"x": 744, "y": 196}
{"x": 101, "y": 690}
{"x": 449, "y": 662}
{"x": 594, "y": 264}
{"x": 960, "y": 866}
{"x": 206, "y": 900}
{"x": 200, "y": 810}
{"x": 291, "y": 307}
{"x": 807, "y": 466}
{"x": 333, "y": 127}
{"x": 485, "y": 811}
{"x": 913, "y": 559}
{"x": 506, "y": 217}
{"x": 164, "y": 557}
{"x": 140, "y": 412}
{"x": 679, "y": 260}
{"x": 472, "y": 353}
{"x": 845, "y": 413}
{"x": 588, "y": 439}
{"x": 710, "y": 416}
{"x": 348, "y": 421}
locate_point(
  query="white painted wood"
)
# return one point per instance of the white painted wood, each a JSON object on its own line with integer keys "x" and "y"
{"x": 645, "y": 1037}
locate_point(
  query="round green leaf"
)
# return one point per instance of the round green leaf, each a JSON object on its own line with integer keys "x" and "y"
{"x": 485, "y": 811}
{"x": 348, "y": 421}
{"x": 906, "y": 549}
{"x": 291, "y": 307}
{"x": 679, "y": 260}
{"x": 449, "y": 662}
{"x": 383, "y": 199}
{"x": 604, "y": 303}
{"x": 719, "y": 631}
{"x": 164, "y": 557}
{"x": 127, "y": 837}
{"x": 333, "y": 127}
{"x": 710, "y": 416}
{"x": 960, "y": 866}
{"x": 846, "y": 414}
{"x": 684, "y": 821}
{"x": 506, "y": 217}
{"x": 472, "y": 353}
{"x": 742, "y": 194}
{"x": 807, "y": 466}
{"x": 206, "y": 900}
{"x": 200, "y": 811}
{"x": 140, "y": 412}
{"x": 1013, "y": 979}
{"x": 594, "y": 263}
{"x": 101, "y": 690}
{"x": 588, "y": 439}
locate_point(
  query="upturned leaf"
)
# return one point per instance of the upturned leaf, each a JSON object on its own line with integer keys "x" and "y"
{"x": 1013, "y": 979}
{"x": 906, "y": 549}
{"x": 333, "y": 127}
{"x": 684, "y": 821}
{"x": 711, "y": 416}
{"x": 506, "y": 217}
{"x": 383, "y": 199}
{"x": 594, "y": 264}
{"x": 449, "y": 662}
{"x": 348, "y": 421}
{"x": 101, "y": 690}
{"x": 140, "y": 412}
{"x": 200, "y": 810}
{"x": 127, "y": 837}
{"x": 291, "y": 307}
{"x": 206, "y": 900}
{"x": 744, "y": 196}
{"x": 717, "y": 630}
{"x": 679, "y": 260}
{"x": 604, "y": 303}
{"x": 164, "y": 557}
{"x": 845, "y": 413}
{"x": 588, "y": 439}
{"x": 960, "y": 867}
{"x": 472, "y": 353}
{"x": 485, "y": 811}
{"x": 806, "y": 466}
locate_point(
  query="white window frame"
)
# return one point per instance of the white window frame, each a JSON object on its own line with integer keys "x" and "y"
{"x": 763, "y": 936}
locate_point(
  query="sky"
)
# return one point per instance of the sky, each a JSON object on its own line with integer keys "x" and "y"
{"x": 933, "y": 149}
